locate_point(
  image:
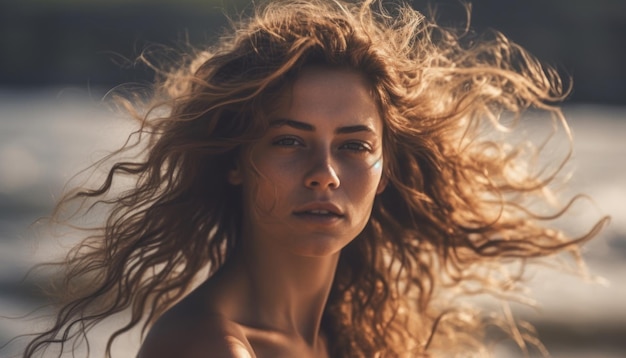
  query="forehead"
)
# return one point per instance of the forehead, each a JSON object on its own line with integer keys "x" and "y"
{"x": 334, "y": 95}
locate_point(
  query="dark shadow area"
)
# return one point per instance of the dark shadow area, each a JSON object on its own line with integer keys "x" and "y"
{"x": 64, "y": 42}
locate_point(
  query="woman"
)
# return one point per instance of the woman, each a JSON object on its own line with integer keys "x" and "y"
{"x": 325, "y": 164}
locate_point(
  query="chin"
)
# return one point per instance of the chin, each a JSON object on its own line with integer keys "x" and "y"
{"x": 320, "y": 247}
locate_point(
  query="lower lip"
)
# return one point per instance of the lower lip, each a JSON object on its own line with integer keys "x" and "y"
{"x": 319, "y": 219}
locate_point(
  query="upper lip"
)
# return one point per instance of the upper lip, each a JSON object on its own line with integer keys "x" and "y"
{"x": 319, "y": 205}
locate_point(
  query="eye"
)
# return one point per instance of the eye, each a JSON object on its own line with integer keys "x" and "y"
{"x": 357, "y": 147}
{"x": 287, "y": 142}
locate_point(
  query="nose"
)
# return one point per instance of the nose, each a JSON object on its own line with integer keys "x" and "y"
{"x": 322, "y": 174}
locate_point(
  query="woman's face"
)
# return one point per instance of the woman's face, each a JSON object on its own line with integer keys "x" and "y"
{"x": 309, "y": 183}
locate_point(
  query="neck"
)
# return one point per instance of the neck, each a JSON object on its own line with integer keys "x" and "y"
{"x": 279, "y": 291}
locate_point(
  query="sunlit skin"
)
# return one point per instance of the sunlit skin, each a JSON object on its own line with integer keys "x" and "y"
{"x": 323, "y": 151}
{"x": 308, "y": 189}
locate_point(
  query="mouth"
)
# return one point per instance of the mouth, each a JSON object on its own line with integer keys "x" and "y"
{"x": 320, "y": 213}
{"x": 319, "y": 210}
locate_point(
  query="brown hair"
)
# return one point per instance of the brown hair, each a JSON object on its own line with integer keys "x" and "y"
{"x": 455, "y": 213}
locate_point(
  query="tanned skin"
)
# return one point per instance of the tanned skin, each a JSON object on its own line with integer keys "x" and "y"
{"x": 320, "y": 166}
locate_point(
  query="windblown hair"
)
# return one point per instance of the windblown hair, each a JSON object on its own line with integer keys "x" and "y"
{"x": 454, "y": 220}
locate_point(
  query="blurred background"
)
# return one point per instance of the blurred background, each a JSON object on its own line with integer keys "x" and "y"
{"x": 58, "y": 58}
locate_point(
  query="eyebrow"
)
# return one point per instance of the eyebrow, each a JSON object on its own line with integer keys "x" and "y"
{"x": 310, "y": 128}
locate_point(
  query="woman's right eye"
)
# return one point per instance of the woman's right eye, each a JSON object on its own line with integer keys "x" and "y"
{"x": 287, "y": 142}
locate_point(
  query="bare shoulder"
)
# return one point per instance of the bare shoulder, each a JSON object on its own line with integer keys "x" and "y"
{"x": 184, "y": 332}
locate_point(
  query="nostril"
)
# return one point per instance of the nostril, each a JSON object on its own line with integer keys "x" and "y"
{"x": 322, "y": 177}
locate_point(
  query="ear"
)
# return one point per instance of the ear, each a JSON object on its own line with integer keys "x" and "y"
{"x": 235, "y": 176}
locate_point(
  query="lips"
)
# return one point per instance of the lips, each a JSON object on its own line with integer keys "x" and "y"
{"x": 319, "y": 208}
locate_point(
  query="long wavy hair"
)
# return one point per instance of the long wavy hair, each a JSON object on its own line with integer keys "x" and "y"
{"x": 457, "y": 218}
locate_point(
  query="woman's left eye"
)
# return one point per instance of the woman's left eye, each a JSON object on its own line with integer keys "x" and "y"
{"x": 357, "y": 147}
{"x": 287, "y": 142}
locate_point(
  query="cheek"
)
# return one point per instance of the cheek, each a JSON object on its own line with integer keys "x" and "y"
{"x": 377, "y": 167}
{"x": 362, "y": 182}
{"x": 372, "y": 173}
{"x": 267, "y": 182}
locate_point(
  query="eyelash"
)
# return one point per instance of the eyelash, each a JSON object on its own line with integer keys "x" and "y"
{"x": 351, "y": 146}
{"x": 281, "y": 141}
{"x": 361, "y": 147}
